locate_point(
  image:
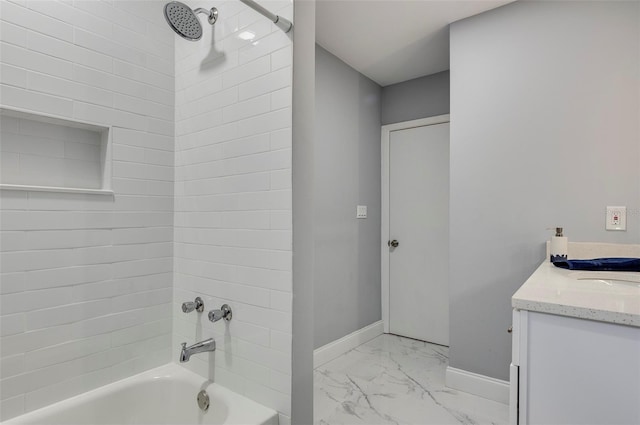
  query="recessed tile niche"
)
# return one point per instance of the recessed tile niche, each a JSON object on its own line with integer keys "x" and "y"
{"x": 50, "y": 154}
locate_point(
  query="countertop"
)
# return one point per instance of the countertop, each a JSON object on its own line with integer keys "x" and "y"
{"x": 553, "y": 290}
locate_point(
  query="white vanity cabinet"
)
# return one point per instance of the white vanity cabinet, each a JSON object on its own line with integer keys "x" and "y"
{"x": 571, "y": 370}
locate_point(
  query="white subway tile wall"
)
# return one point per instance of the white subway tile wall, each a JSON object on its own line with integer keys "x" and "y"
{"x": 86, "y": 294}
{"x": 233, "y": 200}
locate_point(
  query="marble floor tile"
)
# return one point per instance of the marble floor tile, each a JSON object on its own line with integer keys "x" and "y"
{"x": 396, "y": 380}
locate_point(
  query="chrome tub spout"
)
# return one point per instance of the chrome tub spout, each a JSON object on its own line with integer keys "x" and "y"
{"x": 198, "y": 347}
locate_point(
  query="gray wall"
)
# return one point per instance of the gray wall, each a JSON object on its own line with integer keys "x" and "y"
{"x": 303, "y": 140}
{"x": 544, "y": 132}
{"x": 418, "y": 98}
{"x": 347, "y": 173}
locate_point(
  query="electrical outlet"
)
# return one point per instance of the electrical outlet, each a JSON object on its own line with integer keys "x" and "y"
{"x": 616, "y": 218}
{"x": 361, "y": 211}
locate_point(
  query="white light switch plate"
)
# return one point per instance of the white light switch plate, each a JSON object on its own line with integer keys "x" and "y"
{"x": 616, "y": 218}
{"x": 361, "y": 211}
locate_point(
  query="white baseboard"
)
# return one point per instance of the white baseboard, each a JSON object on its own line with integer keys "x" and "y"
{"x": 480, "y": 385}
{"x": 340, "y": 346}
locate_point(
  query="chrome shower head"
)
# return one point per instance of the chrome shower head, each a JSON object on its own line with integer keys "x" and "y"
{"x": 184, "y": 21}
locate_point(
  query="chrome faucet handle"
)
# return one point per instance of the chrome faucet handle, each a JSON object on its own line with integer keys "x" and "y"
{"x": 224, "y": 313}
{"x": 196, "y": 305}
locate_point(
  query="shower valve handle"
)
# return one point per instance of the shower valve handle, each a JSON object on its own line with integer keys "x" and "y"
{"x": 196, "y": 305}
{"x": 224, "y": 313}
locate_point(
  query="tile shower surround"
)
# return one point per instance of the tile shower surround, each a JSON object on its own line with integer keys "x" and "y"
{"x": 233, "y": 200}
{"x": 201, "y": 176}
{"x": 86, "y": 291}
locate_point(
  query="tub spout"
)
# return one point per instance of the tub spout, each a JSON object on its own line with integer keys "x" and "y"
{"x": 198, "y": 347}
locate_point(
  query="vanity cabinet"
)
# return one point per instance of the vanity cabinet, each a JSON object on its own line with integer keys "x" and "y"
{"x": 571, "y": 370}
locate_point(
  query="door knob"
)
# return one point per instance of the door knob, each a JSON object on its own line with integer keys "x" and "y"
{"x": 394, "y": 243}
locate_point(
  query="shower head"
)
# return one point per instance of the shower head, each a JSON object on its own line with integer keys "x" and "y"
{"x": 184, "y": 21}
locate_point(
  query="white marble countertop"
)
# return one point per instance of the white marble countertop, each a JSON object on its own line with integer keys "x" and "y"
{"x": 557, "y": 291}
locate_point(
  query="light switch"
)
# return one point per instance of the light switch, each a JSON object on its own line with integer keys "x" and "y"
{"x": 616, "y": 218}
{"x": 361, "y": 211}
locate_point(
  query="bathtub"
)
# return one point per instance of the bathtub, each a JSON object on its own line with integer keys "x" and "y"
{"x": 165, "y": 395}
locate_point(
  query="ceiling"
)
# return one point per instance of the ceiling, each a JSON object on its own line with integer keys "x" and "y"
{"x": 391, "y": 41}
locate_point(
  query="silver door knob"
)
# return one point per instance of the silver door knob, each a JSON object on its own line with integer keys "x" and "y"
{"x": 394, "y": 243}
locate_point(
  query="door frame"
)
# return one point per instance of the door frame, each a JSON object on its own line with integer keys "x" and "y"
{"x": 386, "y": 135}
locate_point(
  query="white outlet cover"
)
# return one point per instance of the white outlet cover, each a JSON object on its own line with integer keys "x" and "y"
{"x": 616, "y": 218}
{"x": 361, "y": 211}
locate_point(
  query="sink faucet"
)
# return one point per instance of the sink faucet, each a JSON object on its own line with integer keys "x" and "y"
{"x": 198, "y": 347}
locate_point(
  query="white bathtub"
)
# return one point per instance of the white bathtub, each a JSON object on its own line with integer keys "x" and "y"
{"x": 165, "y": 395}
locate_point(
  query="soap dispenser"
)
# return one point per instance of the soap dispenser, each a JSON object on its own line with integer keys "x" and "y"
{"x": 558, "y": 248}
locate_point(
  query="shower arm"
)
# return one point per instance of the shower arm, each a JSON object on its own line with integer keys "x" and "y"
{"x": 212, "y": 15}
{"x": 282, "y": 23}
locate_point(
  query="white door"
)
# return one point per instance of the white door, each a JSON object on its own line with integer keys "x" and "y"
{"x": 419, "y": 222}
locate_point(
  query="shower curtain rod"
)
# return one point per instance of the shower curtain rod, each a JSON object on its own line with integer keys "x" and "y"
{"x": 282, "y": 23}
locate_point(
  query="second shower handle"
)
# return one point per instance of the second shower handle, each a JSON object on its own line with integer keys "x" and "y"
{"x": 223, "y": 313}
